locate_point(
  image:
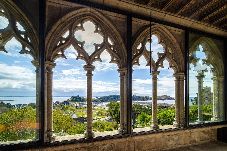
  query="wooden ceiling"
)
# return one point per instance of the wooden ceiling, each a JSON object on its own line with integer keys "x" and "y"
{"x": 213, "y": 12}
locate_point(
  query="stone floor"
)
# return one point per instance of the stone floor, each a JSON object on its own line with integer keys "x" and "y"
{"x": 213, "y": 146}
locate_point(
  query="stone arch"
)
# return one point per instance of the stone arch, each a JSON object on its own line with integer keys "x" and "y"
{"x": 212, "y": 51}
{"x": 172, "y": 49}
{"x": 27, "y": 38}
{"x": 70, "y": 22}
{"x": 173, "y": 54}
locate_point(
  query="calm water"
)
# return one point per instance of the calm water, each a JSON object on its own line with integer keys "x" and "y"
{"x": 31, "y": 99}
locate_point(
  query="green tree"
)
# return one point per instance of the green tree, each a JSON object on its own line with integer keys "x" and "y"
{"x": 62, "y": 122}
{"x": 166, "y": 116}
{"x": 114, "y": 111}
{"x": 143, "y": 119}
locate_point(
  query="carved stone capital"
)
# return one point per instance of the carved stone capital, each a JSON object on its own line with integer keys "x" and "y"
{"x": 49, "y": 65}
{"x": 122, "y": 71}
{"x": 179, "y": 76}
{"x": 89, "y": 69}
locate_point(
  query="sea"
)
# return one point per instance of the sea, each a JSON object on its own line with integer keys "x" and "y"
{"x": 13, "y": 100}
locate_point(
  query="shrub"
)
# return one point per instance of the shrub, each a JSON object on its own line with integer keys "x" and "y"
{"x": 102, "y": 126}
{"x": 114, "y": 111}
{"x": 78, "y": 128}
{"x": 143, "y": 119}
{"x": 166, "y": 116}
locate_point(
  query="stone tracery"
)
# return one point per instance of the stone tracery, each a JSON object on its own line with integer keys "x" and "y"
{"x": 212, "y": 59}
{"x": 175, "y": 59}
{"x": 111, "y": 42}
{"x": 17, "y": 25}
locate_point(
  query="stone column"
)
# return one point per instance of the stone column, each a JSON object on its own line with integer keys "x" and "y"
{"x": 89, "y": 68}
{"x": 36, "y": 64}
{"x": 200, "y": 77}
{"x": 49, "y": 101}
{"x": 154, "y": 100}
{"x": 215, "y": 99}
{"x": 122, "y": 72}
{"x": 221, "y": 103}
{"x": 179, "y": 100}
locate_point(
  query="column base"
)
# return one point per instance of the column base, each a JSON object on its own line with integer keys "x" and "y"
{"x": 155, "y": 127}
{"x": 199, "y": 122}
{"x": 175, "y": 124}
{"x": 49, "y": 136}
{"x": 178, "y": 125}
{"x": 215, "y": 119}
{"x": 89, "y": 135}
{"x": 122, "y": 131}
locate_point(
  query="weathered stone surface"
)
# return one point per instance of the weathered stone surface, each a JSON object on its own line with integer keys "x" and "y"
{"x": 150, "y": 142}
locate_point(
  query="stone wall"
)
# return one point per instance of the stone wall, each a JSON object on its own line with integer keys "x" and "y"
{"x": 149, "y": 142}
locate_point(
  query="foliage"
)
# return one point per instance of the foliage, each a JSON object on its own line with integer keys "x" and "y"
{"x": 78, "y": 128}
{"x": 143, "y": 119}
{"x": 101, "y": 112}
{"x": 138, "y": 109}
{"x": 61, "y": 122}
{"x": 206, "y": 113}
{"x": 18, "y": 124}
{"x": 76, "y": 99}
{"x": 114, "y": 111}
{"x": 166, "y": 116}
{"x": 102, "y": 126}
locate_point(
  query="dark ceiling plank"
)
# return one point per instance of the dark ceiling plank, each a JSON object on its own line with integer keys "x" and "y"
{"x": 168, "y": 4}
{"x": 218, "y": 21}
{"x": 215, "y": 13}
{"x": 224, "y": 26}
{"x": 203, "y": 8}
{"x": 150, "y": 2}
{"x": 187, "y": 5}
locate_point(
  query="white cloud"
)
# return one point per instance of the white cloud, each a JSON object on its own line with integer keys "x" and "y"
{"x": 105, "y": 64}
{"x": 16, "y": 77}
{"x": 143, "y": 63}
{"x": 89, "y": 36}
{"x": 77, "y": 84}
{"x": 13, "y": 47}
{"x": 4, "y": 22}
{"x": 142, "y": 87}
{"x": 71, "y": 72}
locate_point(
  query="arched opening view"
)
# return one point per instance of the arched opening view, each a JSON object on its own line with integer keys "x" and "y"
{"x": 153, "y": 86}
{"x": 205, "y": 82}
{"x": 69, "y": 96}
{"x": 89, "y": 81}
{"x": 106, "y": 103}
{"x": 18, "y": 76}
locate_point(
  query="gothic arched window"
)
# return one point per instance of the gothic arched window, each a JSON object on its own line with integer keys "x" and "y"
{"x": 19, "y": 66}
{"x": 97, "y": 58}
{"x": 205, "y": 82}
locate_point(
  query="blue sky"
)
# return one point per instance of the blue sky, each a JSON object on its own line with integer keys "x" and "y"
{"x": 17, "y": 74}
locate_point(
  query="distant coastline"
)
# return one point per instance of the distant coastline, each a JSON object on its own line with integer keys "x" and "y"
{"x": 99, "y": 99}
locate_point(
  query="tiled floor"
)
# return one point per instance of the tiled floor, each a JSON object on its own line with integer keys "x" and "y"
{"x": 213, "y": 146}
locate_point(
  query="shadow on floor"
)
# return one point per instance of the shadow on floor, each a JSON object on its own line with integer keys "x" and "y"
{"x": 212, "y": 146}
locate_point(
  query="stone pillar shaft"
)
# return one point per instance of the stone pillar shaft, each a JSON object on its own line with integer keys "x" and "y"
{"x": 89, "y": 69}
{"x": 49, "y": 101}
{"x": 200, "y": 77}
{"x": 122, "y": 100}
{"x": 179, "y": 100}
{"x": 215, "y": 99}
{"x": 221, "y": 108}
{"x": 154, "y": 100}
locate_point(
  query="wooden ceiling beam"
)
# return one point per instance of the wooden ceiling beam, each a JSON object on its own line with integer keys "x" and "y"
{"x": 216, "y": 22}
{"x": 215, "y": 13}
{"x": 150, "y": 2}
{"x": 168, "y": 5}
{"x": 203, "y": 8}
{"x": 188, "y": 4}
{"x": 224, "y": 25}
